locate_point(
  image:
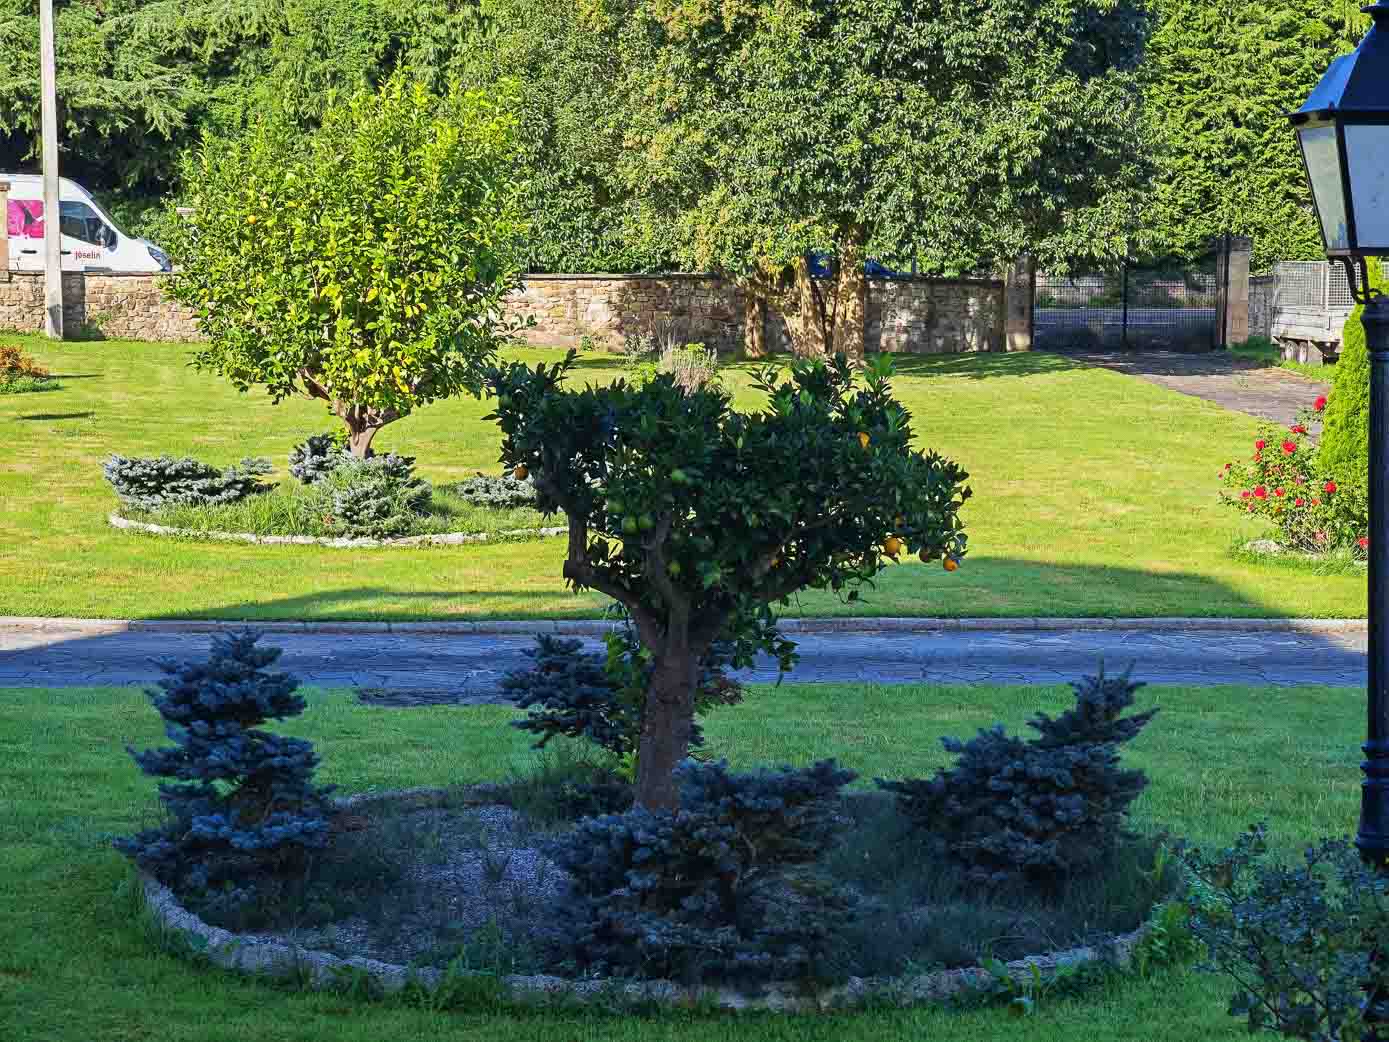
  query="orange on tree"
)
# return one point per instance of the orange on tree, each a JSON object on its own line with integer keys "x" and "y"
{"x": 521, "y": 472}
{"x": 863, "y": 439}
{"x": 892, "y": 546}
{"x": 950, "y": 564}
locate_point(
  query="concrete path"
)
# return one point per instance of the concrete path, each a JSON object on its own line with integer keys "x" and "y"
{"x": 1228, "y": 380}
{"x": 416, "y": 668}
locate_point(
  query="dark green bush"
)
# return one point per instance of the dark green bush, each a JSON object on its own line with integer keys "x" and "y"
{"x": 1042, "y": 809}
{"x": 599, "y": 697}
{"x": 243, "y": 812}
{"x": 502, "y": 491}
{"x": 151, "y": 483}
{"x": 1300, "y": 941}
{"x": 724, "y": 889}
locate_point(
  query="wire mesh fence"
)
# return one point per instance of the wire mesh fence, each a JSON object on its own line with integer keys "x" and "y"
{"x": 1133, "y": 307}
{"x": 1315, "y": 285}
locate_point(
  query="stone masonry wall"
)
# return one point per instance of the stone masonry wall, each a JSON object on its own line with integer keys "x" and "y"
{"x": 923, "y": 316}
{"x": 113, "y": 306}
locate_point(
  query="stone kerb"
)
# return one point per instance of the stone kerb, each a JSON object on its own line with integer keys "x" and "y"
{"x": 256, "y": 955}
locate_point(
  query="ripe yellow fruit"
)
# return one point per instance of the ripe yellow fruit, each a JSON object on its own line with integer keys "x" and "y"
{"x": 950, "y": 564}
{"x": 892, "y": 546}
{"x": 521, "y": 472}
{"x": 863, "y": 439}
{"x": 251, "y": 219}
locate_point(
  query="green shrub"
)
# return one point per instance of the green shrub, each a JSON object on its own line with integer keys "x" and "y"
{"x": 151, "y": 483}
{"x": 725, "y": 889}
{"x": 1300, "y": 941}
{"x": 1040, "y": 810}
{"x": 1345, "y": 436}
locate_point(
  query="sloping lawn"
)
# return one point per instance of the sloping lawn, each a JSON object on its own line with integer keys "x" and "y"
{"x": 1095, "y": 495}
{"x": 76, "y": 966}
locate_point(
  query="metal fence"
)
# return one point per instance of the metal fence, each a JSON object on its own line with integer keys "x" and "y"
{"x": 1134, "y": 307}
{"x": 1319, "y": 285}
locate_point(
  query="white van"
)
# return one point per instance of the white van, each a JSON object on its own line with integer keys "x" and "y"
{"x": 90, "y": 240}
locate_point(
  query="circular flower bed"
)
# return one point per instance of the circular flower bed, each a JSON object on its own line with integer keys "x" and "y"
{"x": 466, "y": 875}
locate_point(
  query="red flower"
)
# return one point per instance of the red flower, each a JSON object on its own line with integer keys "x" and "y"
{"x": 1260, "y": 443}
{"x": 1278, "y": 492}
{"x": 1329, "y": 487}
{"x": 1298, "y": 479}
{"x": 1316, "y": 502}
{"x": 1261, "y": 492}
{"x": 1256, "y": 456}
{"x": 1298, "y": 428}
{"x": 1244, "y": 494}
{"x": 1363, "y": 541}
{"x": 1319, "y": 404}
{"x": 1289, "y": 447}
{"x": 1299, "y": 502}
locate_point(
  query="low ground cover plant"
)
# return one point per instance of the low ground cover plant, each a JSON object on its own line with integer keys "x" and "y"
{"x": 1287, "y": 482}
{"x": 19, "y": 373}
{"x": 503, "y": 490}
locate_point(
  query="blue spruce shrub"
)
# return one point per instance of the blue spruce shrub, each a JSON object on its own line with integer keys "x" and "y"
{"x": 502, "y": 491}
{"x": 725, "y": 889}
{"x": 318, "y": 455}
{"x": 599, "y": 697}
{"x": 149, "y": 483}
{"x": 1036, "y": 810}
{"x": 243, "y": 812}
{"x": 378, "y": 497}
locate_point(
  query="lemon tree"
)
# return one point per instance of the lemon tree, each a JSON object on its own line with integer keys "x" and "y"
{"x": 363, "y": 263}
{"x": 699, "y": 519}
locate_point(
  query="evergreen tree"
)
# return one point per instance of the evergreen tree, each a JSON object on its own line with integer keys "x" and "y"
{"x": 1344, "y": 451}
{"x": 1041, "y": 809}
{"x": 243, "y": 810}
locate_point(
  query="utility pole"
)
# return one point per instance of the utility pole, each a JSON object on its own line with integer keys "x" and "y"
{"x": 52, "y": 232}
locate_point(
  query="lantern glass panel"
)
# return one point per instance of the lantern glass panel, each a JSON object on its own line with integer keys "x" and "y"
{"x": 1367, "y": 161}
{"x": 1324, "y": 171}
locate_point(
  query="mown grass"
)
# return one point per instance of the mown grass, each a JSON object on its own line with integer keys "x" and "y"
{"x": 1096, "y": 494}
{"x": 76, "y": 965}
{"x": 1267, "y": 353}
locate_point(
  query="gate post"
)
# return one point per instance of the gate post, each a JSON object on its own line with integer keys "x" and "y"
{"x": 1019, "y": 291}
{"x": 4, "y": 230}
{"x": 1235, "y": 322}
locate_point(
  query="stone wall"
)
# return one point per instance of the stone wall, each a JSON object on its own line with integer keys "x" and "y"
{"x": 111, "y": 306}
{"x": 1261, "y": 305}
{"x": 921, "y": 316}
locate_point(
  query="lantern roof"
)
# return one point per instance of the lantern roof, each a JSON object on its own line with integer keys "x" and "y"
{"x": 1356, "y": 83}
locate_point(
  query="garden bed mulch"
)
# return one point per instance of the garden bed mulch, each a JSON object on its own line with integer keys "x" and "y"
{"x": 336, "y": 542}
{"x": 280, "y": 955}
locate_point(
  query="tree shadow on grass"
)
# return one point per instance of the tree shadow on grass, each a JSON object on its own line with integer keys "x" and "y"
{"x": 56, "y": 416}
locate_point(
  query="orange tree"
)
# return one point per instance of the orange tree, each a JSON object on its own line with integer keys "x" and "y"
{"x": 698, "y": 518}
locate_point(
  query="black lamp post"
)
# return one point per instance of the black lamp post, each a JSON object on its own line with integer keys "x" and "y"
{"x": 1343, "y": 130}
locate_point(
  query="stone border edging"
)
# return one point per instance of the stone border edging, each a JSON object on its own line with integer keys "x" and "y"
{"x": 247, "y": 955}
{"x": 597, "y": 627}
{"x": 336, "y": 542}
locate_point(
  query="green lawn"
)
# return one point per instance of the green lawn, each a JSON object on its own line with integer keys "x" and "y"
{"x": 75, "y": 966}
{"x": 1095, "y": 495}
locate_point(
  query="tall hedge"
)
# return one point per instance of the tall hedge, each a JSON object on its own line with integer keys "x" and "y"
{"x": 1345, "y": 439}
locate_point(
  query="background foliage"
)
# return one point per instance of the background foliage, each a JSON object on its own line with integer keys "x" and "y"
{"x": 141, "y": 80}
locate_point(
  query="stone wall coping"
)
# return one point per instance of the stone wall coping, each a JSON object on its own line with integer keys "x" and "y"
{"x": 337, "y": 543}
{"x": 708, "y": 276}
{"x": 100, "y": 273}
{"x": 246, "y": 954}
{"x": 598, "y": 627}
